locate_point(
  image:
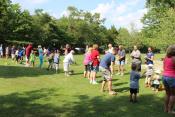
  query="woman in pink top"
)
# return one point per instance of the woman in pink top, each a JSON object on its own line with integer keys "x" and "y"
{"x": 169, "y": 79}
{"x": 87, "y": 63}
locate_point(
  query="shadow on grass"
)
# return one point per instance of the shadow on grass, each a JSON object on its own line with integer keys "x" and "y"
{"x": 19, "y": 71}
{"x": 118, "y": 84}
{"x": 27, "y": 105}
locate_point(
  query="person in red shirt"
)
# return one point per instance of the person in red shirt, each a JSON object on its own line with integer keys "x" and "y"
{"x": 28, "y": 51}
{"x": 95, "y": 63}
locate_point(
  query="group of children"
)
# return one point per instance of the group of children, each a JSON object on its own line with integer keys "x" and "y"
{"x": 17, "y": 54}
{"x": 153, "y": 78}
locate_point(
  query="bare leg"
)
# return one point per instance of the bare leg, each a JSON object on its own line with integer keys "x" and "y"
{"x": 131, "y": 100}
{"x": 110, "y": 88}
{"x": 110, "y": 85}
{"x": 94, "y": 76}
{"x": 122, "y": 69}
{"x": 91, "y": 75}
{"x": 135, "y": 97}
{"x": 85, "y": 74}
{"x": 103, "y": 85}
{"x": 88, "y": 75}
{"x": 167, "y": 98}
{"x": 119, "y": 71}
{"x": 171, "y": 104}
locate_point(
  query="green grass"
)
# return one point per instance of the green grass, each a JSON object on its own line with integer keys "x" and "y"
{"x": 33, "y": 92}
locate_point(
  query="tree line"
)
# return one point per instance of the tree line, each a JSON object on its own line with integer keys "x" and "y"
{"x": 82, "y": 28}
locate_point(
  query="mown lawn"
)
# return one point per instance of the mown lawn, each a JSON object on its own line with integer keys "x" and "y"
{"x": 33, "y": 92}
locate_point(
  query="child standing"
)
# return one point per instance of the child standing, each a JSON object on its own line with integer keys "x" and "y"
{"x": 134, "y": 83}
{"x": 16, "y": 55}
{"x": 20, "y": 54}
{"x": 149, "y": 75}
{"x": 50, "y": 60}
{"x": 68, "y": 60}
{"x": 32, "y": 58}
{"x": 56, "y": 60}
{"x": 88, "y": 63}
{"x": 156, "y": 81}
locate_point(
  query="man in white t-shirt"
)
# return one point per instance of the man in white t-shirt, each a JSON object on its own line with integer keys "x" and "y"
{"x": 69, "y": 59}
{"x": 110, "y": 48}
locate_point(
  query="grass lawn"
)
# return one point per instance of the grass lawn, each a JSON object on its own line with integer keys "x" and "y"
{"x": 33, "y": 92}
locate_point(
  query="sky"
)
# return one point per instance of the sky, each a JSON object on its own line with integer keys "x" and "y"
{"x": 120, "y": 13}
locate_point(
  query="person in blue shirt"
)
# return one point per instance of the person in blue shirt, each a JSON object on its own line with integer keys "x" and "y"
{"x": 20, "y": 54}
{"x": 149, "y": 57}
{"x": 134, "y": 83}
{"x": 107, "y": 69}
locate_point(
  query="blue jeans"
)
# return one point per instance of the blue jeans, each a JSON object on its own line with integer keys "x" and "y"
{"x": 168, "y": 82}
{"x": 41, "y": 62}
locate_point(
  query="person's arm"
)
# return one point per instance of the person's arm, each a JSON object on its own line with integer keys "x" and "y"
{"x": 173, "y": 59}
{"x": 139, "y": 76}
{"x": 112, "y": 67}
{"x": 98, "y": 56}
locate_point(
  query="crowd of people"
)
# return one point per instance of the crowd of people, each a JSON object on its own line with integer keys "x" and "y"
{"x": 92, "y": 63}
{"x": 106, "y": 65}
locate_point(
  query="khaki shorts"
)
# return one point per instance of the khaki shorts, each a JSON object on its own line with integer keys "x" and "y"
{"x": 106, "y": 74}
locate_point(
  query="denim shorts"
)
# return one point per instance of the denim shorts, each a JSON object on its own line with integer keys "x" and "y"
{"x": 95, "y": 68}
{"x": 168, "y": 82}
{"x": 121, "y": 62}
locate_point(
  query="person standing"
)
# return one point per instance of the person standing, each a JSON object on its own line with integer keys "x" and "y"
{"x": 28, "y": 52}
{"x": 32, "y": 58}
{"x": 169, "y": 79}
{"x": 67, "y": 49}
{"x": 87, "y": 63}
{"x": 121, "y": 60}
{"x": 95, "y": 56}
{"x": 7, "y": 52}
{"x": 149, "y": 57}
{"x": 13, "y": 52}
{"x": 56, "y": 60}
{"x": 107, "y": 68}
{"x": 1, "y": 51}
{"x": 136, "y": 58}
{"x": 68, "y": 60}
{"x": 110, "y": 50}
{"x": 41, "y": 56}
{"x": 134, "y": 83}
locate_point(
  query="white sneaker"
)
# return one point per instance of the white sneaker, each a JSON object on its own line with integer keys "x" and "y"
{"x": 94, "y": 82}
